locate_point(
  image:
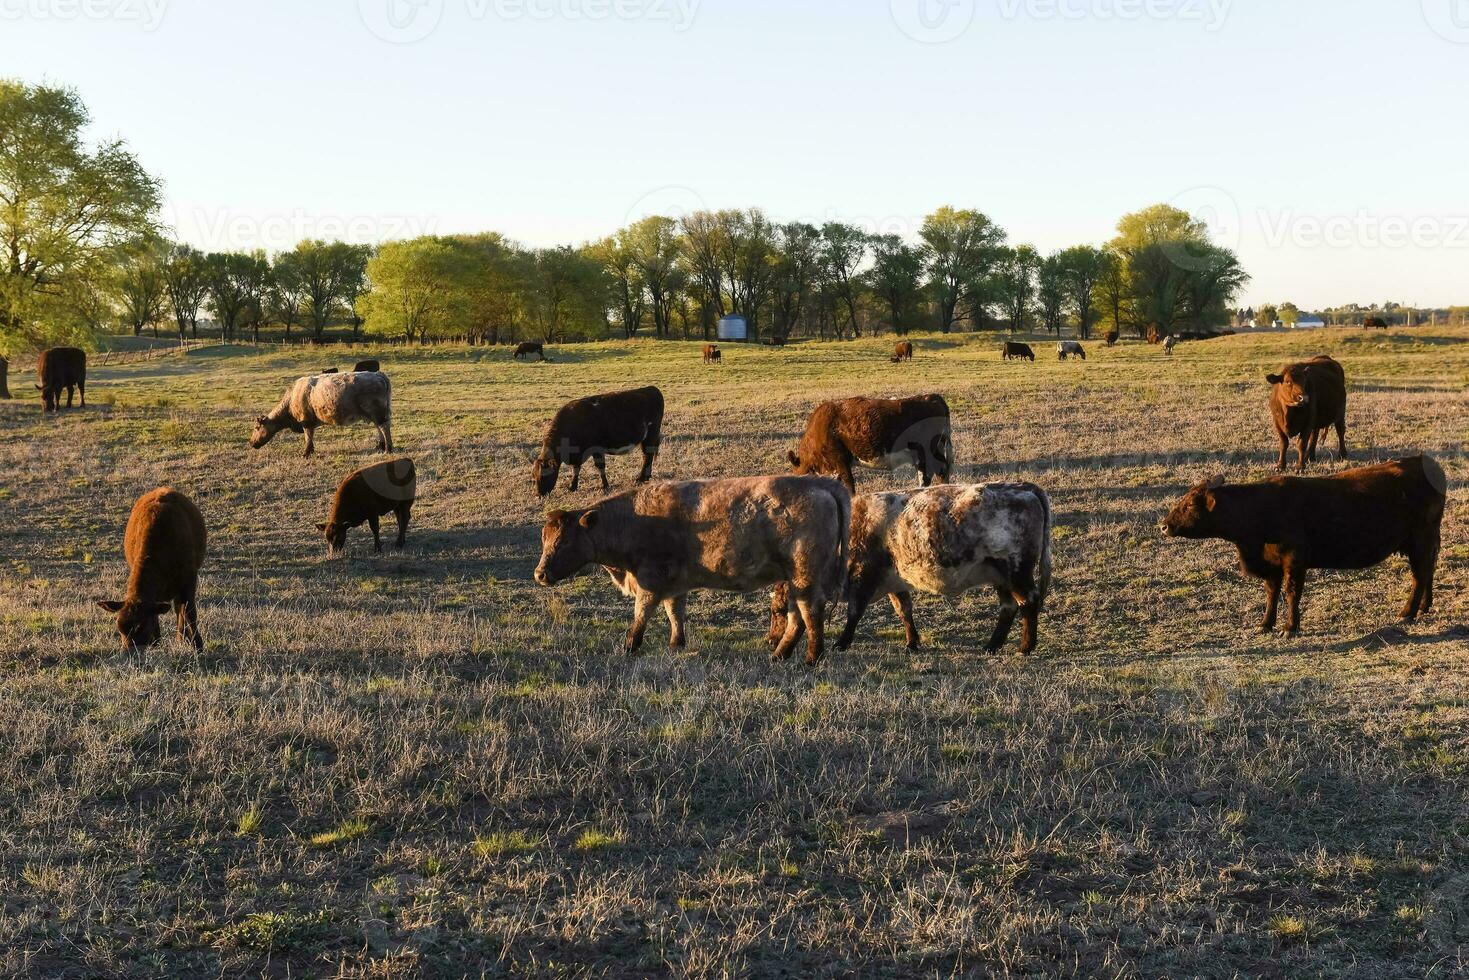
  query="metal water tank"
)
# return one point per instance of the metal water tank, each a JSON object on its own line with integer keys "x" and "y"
{"x": 733, "y": 327}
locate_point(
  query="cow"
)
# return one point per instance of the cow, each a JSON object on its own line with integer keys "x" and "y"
{"x": 776, "y": 341}
{"x": 1155, "y": 336}
{"x": 61, "y": 368}
{"x": 1068, "y": 348}
{"x": 1169, "y": 344}
{"x": 1306, "y": 398}
{"x": 330, "y": 399}
{"x": 372, "y": 492}
{"x": 164, "y": 548}
{"x": 1112, "y": 337}
{"x": 1355, "y": 519}
{"x": 611, "y": 424}
{"x": 946, "y": 541}
{"x": 879, "y": 434}
{"x": 1014, "y": 351}
{"x": 330, "y": 370}
{"x": 528, "y": 348}
{"x": 369, "y": 366}
{"x": 712, "y": 354}
{"x": 1374, "y": 323}
{"x": 902, "y": 351}
{"x": 662, "y": 541}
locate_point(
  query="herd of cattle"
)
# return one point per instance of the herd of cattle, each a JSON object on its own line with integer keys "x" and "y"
{"x": 809, "y": 536}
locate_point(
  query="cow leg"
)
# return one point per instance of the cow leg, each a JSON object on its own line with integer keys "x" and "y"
{"x": 1008, "y": 610}
{"x": 813, "y": 615}
{"x": 1341, "y": 436}
{"x": 1295, "y": 584}
{"x": 1284, "y": 449}
{"x": 1030, "y": 623}
{"x": 1422, "y": 560}
{"x": 778, "y": 601}
{"x": 402, "y": 513}
{"x": 82, "y": 390}
{"x": 600, "y": 462}
{"x": 1315, "y": 442}
{"x": 385, "y": 437}
{"x": 643, "y": 606}
{"x": 859, "y": 596}
{"x": 920, "y": 460}
{"x": 310, "y": 442}
{"x": 377, "y": 540}
{"x": 903, "y": 606}
{"x": 71, "y": 391}
{"x": 1272, "y": 601}
{"x": 677, "y": 610}
{"x": 650, "y": 453}
{"x": 575, "y": 475}
{"x": 188, "y": 614}
{"x": 1302, "y": 451}
{"x": 794, "y": 630}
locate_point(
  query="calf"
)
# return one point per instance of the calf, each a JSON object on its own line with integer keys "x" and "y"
{"x": 1067, "y": 348}
{"x": 611, "y": 424}
{"x": 1287, "y": 526}
{"x": 367, "y": 366}
{"x": 1306, "y": 398}
{"x": 1169, "y": 344}
{"x": 164, "y": 548}
{"x": 660, "y": 542}
{"x": 528, "y": 348}
{"x": 946, "y": 541}
{"x": 330, "y": 399}
{"x": 712, "y": 354}
{"x": 879, "y": 434}
{"x": 1014, "y": 351}
{"x": 383, "y": 488}
{"x": 902, "y": 351}
{"x": 1112, "y": 337}
{"x": 61, "y": 368}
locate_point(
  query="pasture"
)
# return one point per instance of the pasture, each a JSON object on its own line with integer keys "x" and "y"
{"x": 421, "y": 763}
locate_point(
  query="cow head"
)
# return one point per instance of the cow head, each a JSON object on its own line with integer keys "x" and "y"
{"x": 1193, "y": 515}
{"x": 336, "y": 538}
{"x": 1290, "y": 388}
{"x": 566, "y": 545}
{"x": 137, "y": 622}
{"x": 544, "y": 471}
{"x": 263, "y": 432}
{"x": 795, "y": 461}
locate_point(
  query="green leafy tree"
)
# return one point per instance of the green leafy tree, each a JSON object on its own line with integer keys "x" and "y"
{"x": 1083, "y": 268}
{"x": 960, "y": 248}
{"x": 616, "y": 258}
{"x": 485, "y": 287}
{"x": 1288, "y": 314}
{"x": 286, "y": 292}
{"x": 412, "y": 289}
{"x": 1266, "y": 316}
{"x": 185, "y": 278}
{"x": 1015, "y": 280}
{"x": 142, "y": 283}
{"x": 796, "y": 275}
{"x": 1176, "y": 277}
{"x": 1052, "y": 292}
{"x": 654, "y": 247}
{"x": 843, "y": 248}
{"x": 66, "y": 209}
{"x": 896, "y": 278}
{"x": 235, "y": 280}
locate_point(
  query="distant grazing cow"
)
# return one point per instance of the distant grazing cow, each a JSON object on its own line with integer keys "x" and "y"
{"x": 879, "y": 434}
{"x": 528, "y": 348}
{"x": 1155, "y": 336}
{"x": 1169, "y": 344}
{"x": 903, "y": 351}
{"x": 1374, "y": 323}
{"x": 164, "y": 548}
{"x": 61, "y": 368}
{"x": 946, "y": 541}
{"x": 1289, "y": 525}
{"x": 1306, "y": 398}
{"x": 611, "y": 424}
{"x": 330, "y": 370}
{"x": 367, "y": 366}
{"x": 331, "y": 399}
{"x": 1112, "y": 337}
{"x": 776, "y": 342}
{"x": 1069, "y": 348}
{"x": 1014, "y": 351}
{"x": 712, "y": 354}
{"x": 663, "y": 541}
{"x": 383, "y": 488}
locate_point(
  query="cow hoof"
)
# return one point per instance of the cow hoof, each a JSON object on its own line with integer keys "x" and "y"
{"x": 993, "y": 651}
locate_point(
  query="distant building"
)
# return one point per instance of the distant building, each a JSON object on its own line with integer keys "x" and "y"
{"x": 1309, "y": 321}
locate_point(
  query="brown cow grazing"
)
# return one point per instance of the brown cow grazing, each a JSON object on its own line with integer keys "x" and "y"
{"x": 1355, "y": 519}
{"x": 61, "y": 368}
{"x": 879, "y": 434}
{"x": 946, "y": 541}
{"x": 1014, "y": 351}
{"x": 383, "y": 488}
{"x": 530, "y": 347}
{"x": 1112, "y": 337}
{"x": 1374, "y": 323}
{"x": 164, "y": 548}
{"x": 611, "y": 424}
{"x": 1306, "y": 398}
{"x": 367, "y": 366}
{"x": 712, "y": 354}
{"x": 663, "y": 541}
{"x": 902, "y": 351}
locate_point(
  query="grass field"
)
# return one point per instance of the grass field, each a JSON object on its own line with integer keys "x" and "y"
{"x": 423, "y": 764}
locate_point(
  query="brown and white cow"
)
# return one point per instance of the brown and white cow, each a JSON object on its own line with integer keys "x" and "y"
{"x": 879, "y": 434}
{"x": 1355, "y": 519}
{"x": 1070, "y": 348}
{"x": 662, "y": 541}
{"x": 1305, "y": 399}
{"x": 946, "y": 541}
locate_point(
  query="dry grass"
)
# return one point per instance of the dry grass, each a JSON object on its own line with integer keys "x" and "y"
{"x": 421, "y": 764}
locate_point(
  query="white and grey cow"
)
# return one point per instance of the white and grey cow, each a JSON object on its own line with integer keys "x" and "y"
{"x": 1069, "y": 348}
{"x": 1170, "y": 343}
{"x": 331, "y": 399}
{"x": 947, "y": 540}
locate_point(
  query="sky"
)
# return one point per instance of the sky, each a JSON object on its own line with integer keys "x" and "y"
{"x": 1323, "y": 140}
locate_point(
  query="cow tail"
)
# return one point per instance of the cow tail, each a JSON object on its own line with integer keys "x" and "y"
{"x": 837, "y": 584}
{"x": 1043, "y": 576}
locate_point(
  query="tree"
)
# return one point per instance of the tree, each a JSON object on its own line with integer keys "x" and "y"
{"x": 1014, "y": 277}
{"x": 184, "y": 276}
{"x": 654, "y": 247}
{"x": 287, "y": 292}
{"x": 1112, "y": 290}
{"x": 565, "y": 294}
{"x": 1052, "y": 291}
{"x": 843, "y": 247}
{"x": 65, "y": 211}
{"x": 352, "y": 280}
{"x": 1288, "y": 314}
{"x": 897, "y": 278}
{"x": 626, "y": 278}
{"x": 1082, "y": 269}
{"x": 324, "y": 273}
{"x": 485, "y": 285}
{"x": 143, "y": 284}
{"x": 796, "y": 274}
{"x": 235, "y": 280}
{"x": 1175, "y": 276}
{"x": 701, "y": 243}
{"x": 412, "y": 290}
{"x": 960, "y": 248}
{"x": 1266, "y": 316}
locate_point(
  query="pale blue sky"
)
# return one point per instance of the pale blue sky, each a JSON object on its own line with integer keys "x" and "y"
{"x": 1324, "y": 137}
